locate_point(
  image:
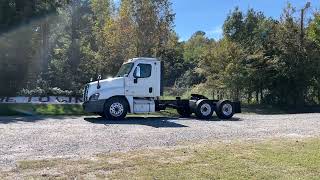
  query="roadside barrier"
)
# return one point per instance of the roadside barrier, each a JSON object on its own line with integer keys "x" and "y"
{"x": 41, "y": 100}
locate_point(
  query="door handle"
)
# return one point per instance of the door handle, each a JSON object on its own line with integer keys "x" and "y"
{"x": 150, "y": 90}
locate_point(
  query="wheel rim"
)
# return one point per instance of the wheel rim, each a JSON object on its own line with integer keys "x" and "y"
{"x": 116, "y": 109}
{"x": 227, "y": 109}
{"x": 205, "y": 109}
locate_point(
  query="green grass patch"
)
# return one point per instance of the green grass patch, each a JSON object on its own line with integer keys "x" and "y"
{"x": 67, "y": 109}
{"x": 277, "y": 109}
{"x": 40, "y": 109}
{"x": 263, "y": 109}
{"x": 55, "y": 109}
{"x": 276, "y": 159}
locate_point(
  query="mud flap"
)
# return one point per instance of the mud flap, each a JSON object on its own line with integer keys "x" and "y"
{"x": 237, "y": 107}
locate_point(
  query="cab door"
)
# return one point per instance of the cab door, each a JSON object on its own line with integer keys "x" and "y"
{"x": 141, "y": 83}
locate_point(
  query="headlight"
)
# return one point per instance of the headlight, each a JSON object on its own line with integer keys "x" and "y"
{"x": 94, "y": 97}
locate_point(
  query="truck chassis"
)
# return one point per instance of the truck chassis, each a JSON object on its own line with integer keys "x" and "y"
{"x": 201, "y": 106}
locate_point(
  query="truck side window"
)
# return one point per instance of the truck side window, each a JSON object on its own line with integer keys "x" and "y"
{"x": 145, "y": 70}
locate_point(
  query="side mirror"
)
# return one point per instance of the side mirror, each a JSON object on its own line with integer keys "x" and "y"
{"x": 98, "y": 85}
{"x": 137, "y": 72}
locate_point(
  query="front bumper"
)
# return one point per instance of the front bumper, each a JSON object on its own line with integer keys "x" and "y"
{"x": 93, "y": 106}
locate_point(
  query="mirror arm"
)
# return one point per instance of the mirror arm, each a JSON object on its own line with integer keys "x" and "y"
{"x": 98, "y": 85}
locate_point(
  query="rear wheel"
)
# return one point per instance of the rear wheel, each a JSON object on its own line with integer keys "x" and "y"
{"x": 204, "y": 109}
{"x": 224, "y": 110}
{"x": 116, "y": 109}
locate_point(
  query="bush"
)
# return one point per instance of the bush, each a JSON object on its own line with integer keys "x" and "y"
{"x": 202, "y": 89}
{"x": 189, "y": 79}
{"x": 55, "y": 91}
{"x": 34, "y": 92}
{"x": 59, "y": 92}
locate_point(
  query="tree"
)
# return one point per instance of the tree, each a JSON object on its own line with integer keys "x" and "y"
{"x": 292, "y": 79}
{"x": 313, "y": 34}
{"x": 250, "y": 30}
{"x": 118, "y": 39}
{"x": 20, "y": 39}
{"x": 141, "y": 28}
{"x": 174, "y": 65}
{"x": 153, "y": 22}
{"x": 196, "y": 46}
{"x": 222, "y": 66}
{"x": 314, "y": 29}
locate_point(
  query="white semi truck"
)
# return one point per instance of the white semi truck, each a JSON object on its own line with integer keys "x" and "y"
{"x": 137, "y": 89}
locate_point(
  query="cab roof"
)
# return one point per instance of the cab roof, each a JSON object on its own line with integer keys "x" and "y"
{"x": 143, "y": 59}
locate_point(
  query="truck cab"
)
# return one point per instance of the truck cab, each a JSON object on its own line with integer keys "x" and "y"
{"x": 137, "y": 85}
{"x": 137, "y": 88}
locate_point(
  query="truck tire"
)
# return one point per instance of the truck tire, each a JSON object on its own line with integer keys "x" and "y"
{"x": 116, "y": 108}
{"x": 204, "y": 109}
{"x": 224, "y": 110}
{"x": 184, "y": 112}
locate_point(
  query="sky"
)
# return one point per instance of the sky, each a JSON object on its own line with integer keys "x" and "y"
{"x": 209, "y": 15}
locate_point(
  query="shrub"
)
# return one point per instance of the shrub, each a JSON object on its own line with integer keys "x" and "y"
{"x": 55, "y": 91}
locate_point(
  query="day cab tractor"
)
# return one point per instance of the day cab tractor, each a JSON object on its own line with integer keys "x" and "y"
{"x": 137, "y": 88}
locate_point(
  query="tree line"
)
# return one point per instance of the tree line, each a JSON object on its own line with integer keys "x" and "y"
{"x": 55, "y": 47}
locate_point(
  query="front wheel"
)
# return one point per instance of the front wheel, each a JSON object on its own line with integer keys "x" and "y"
{"x": 116, "y": 109}
{"x": 224, "y": 110}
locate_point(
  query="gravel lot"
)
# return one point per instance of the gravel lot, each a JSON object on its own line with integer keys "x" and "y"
{"x": 51, "y": 137}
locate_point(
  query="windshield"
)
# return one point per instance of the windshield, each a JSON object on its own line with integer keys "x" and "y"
{"x": 125, "y": 69}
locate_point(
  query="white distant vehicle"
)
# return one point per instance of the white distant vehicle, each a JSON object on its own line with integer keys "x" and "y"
{"x": 137, "y": 89}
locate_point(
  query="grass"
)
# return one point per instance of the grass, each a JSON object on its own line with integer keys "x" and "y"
{"x": 263, "y": 109}
{"x": 55, "y": 109}
{"x": 274, "y": 159}
{"x": 277, "y": 109}
{"x": 67, "y": 109}
{"x": 40, "y": 109}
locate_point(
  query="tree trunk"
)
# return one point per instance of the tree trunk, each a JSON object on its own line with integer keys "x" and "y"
{"x": 257, "y": 96}
{"x": 261, "y": 95}
{"x": 237, "y": 97}
{"x": 319, "y": 96}
{"x": 75, "y": 35}
{"x": 249, "y": 97}
{"x": 213, "y": 94}
{"x": 45, "y": 45}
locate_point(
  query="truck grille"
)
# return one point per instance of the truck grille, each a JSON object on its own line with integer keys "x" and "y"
{"x": 85, "y": 93}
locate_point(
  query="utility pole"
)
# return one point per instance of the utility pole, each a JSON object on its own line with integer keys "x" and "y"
{"x": 303, "y": 10}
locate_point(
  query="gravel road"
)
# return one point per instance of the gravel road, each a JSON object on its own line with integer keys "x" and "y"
{"x": 51, "y": 137}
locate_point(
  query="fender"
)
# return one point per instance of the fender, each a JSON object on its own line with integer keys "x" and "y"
{"x": 129, "y": 100}
{"x": 109, "y": 92}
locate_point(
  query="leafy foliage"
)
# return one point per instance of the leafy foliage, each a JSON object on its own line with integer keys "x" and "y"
{"x": 55, "y": 47}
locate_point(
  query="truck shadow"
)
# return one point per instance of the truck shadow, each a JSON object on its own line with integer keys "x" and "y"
{"x": 156, "y": 122}
{"x": 31, "y": 119}
{"x": 217, "y": 119}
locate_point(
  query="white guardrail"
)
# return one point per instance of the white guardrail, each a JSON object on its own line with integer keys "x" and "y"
{"x": 41, "y": 100}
